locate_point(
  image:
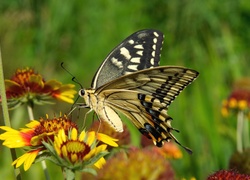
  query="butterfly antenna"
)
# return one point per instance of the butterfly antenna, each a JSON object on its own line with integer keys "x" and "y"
{"x": 74, "y": 79}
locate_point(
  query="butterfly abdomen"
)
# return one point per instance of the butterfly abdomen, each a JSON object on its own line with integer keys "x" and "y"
{"x": 105, "y": 113}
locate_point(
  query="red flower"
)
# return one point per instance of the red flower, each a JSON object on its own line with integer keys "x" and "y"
{"x": 228, "y": 175}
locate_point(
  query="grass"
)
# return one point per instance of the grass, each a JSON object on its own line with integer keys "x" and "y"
{"x": 211, "y": 37}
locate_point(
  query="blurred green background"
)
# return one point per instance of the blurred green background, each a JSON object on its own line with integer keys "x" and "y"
{"x": 212, "y": 37}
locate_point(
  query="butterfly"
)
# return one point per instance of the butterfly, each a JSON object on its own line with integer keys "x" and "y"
{"x": 130, "y": 81}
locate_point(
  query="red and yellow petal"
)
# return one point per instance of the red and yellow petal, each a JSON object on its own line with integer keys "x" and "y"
{"x": 16, "y": 139}
{"x": 59, "y": 91}
{"x": 65, "y": 93}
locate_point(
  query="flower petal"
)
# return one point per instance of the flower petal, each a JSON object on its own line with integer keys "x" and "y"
{"x": 33, "y": 124}
{"x": 15, "y": 139}
{"x": 27, "y": 159}
{"x": 99, "y": 164}
{"x": 74, "y": 134}
{"x": 62, "y": 92}
{"x": 107, "y": 139}
{"x": 101, "y": 148}
{"x": 91, "y": 138}
{"x": 82, "y": 136}
{"x": 90, "y": 154}
{"x": 30, "y": 160}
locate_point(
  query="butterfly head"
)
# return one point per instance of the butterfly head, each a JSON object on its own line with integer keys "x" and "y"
{"x": 85, "y": 95}
{"x": 81, "y": 92}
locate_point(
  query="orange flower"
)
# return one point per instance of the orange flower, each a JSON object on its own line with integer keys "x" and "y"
{"x": 28, "y": 86}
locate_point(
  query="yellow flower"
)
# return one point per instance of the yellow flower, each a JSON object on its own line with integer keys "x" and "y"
{"x": 33, "y": 136}
{"x": 239, "y": 99}
{"x": 28, "y": 86}
{"x": 242, "y": 104}
{"x": 82, "y": 149}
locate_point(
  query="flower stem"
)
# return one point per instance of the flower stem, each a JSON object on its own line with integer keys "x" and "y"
{"x": 240, "y": 123}
{"x": 45, "y": 170}
{"x": 6, "y": 113}
{"x": 30, "y": 111}
{"x": 31, "y": 117}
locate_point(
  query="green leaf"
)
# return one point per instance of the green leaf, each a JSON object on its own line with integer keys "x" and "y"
{"x": 70, "y": 174}
{"x": 89, "y": 170}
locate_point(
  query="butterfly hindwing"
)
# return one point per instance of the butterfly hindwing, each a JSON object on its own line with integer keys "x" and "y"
{"x": 144, "y": 97}
{"x": 139, "y": 51}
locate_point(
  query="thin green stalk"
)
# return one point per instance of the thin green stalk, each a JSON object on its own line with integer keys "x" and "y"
{"x": 246, "y": 133}
{"x": 240, "y": 123}
{"x": 6, "y": 114}
{"x": 31, "y": 117}
{"x": 30, "y": 111}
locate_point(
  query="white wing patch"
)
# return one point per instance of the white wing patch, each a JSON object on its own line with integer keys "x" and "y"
{"x": 139, "y": 53}
{"x": 132, "y": 67}
{"x": 152, "y": 61}
{"x": 125, "y": 53}
{"x": 138, "y": 46}
{"x": 155, "y": 40}
{"x": 153, "y": 53}
{"x": 117, "y": 63}
{"x": 131, "y": 41}
{"x": 135, "y": 60}
{"x": 156, "y": 34}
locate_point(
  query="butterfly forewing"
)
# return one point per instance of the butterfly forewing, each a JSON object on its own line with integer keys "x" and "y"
{"x": 139, "y": 51}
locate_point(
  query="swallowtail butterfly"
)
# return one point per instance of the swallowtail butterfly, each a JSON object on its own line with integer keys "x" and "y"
{"x": 129, "y": 81}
